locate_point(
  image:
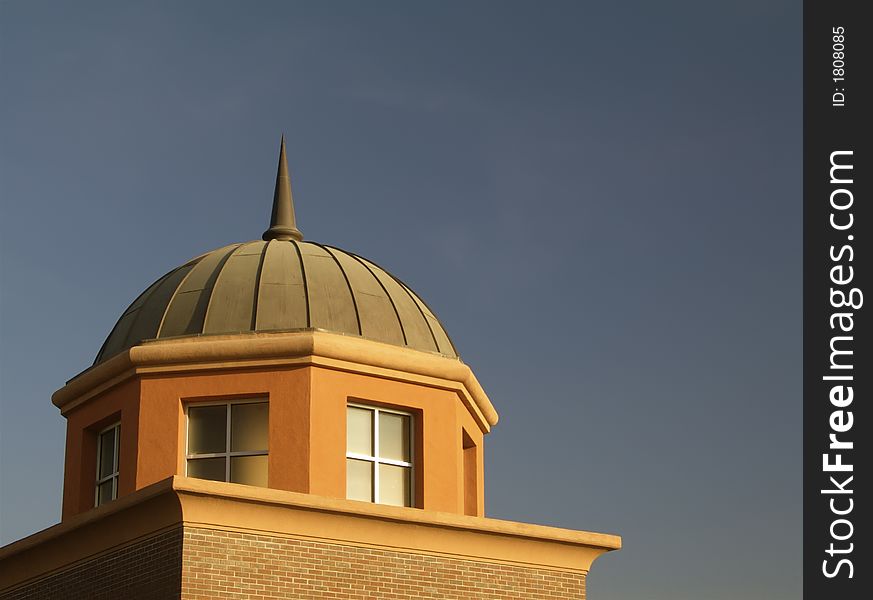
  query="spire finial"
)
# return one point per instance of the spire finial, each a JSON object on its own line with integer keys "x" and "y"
{"x": 283, "y": 224}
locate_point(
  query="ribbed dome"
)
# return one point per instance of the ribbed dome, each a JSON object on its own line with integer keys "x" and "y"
{"x": 279, "y": 285}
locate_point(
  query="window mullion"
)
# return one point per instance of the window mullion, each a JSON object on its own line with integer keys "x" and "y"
{"x": 411, "y": 433}
{"x": 376, "y": 455}
{"x": 99, "y": 459}
{"x": 357, "y": 456}
{"x": 227, "y": 447}
{"x": 248, "y": 453}
{"x": 115, "y": 448}
{"x": 396, "y": 463}
{"x": 187, "y": 436}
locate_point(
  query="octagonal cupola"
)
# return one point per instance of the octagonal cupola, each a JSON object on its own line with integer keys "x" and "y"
{"x": 279, "y": 363}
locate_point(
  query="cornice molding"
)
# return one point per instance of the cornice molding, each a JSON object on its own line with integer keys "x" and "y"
{"x": 254, "y": 350}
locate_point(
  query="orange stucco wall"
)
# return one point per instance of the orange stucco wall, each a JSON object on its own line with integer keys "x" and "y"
{"x": 162, "y": 420}
{"x": 83, "y": 424}
{"x": 438, "y": 456}
{"x": 307, "y": 425}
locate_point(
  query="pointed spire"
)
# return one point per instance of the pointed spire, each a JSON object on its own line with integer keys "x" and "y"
{"x": 283, "y": 224}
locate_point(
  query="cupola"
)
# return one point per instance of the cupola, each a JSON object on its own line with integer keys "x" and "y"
{"x": 279, "y": 363}
{"x": 277, "y": 419}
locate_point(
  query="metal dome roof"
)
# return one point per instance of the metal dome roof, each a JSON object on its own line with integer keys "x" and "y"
{"x": 279, "y": 284}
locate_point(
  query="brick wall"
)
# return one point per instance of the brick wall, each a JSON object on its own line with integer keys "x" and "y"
{"x": 232, "y": 565}
{"x": 206, "y": 564}
{"x": 148, "y": 569}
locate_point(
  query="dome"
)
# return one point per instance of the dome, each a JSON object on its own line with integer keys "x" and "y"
{"x": 279, "y": 284}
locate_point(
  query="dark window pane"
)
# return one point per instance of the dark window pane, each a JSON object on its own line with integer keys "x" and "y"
{"x": 207, "y": 429}
{"x": 250, "y": 470}
{"x": 207, "y": 468}
{"x": 248, "y": 427}
{"x": 104, "y": 492}
{"x": 107, "y": 454}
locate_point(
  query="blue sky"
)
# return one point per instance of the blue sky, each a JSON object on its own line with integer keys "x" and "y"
{"x": 601, "y": 201}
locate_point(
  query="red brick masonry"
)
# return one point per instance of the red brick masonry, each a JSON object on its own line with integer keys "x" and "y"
{"x": 221, "y": 564}
{"x": 148, "y": 569}
{"x": 202, "y": 564}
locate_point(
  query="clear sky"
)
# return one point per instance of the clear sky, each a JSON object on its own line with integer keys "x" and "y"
{"x": 601, "y": 201}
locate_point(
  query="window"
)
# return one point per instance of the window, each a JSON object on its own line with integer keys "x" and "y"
{"x": 107, "y": 465}
{"x": 378, "y": 455}
{"x": 471, "y": 480}
{"x": 228, "y": 442}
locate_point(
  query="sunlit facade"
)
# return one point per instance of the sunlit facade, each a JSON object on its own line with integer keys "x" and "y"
{"x": 281, "y": 418}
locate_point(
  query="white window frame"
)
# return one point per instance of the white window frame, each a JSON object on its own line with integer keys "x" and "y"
{"x": 115, "y": 459}
{"x": 227, "y": 454}
{"x": 376, "y": 460}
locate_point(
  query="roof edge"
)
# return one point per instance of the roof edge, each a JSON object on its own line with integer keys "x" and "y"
{"x": 184, "y": 502}
{"x": 383, "y": 512}
{"x": 272, "y": 349}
